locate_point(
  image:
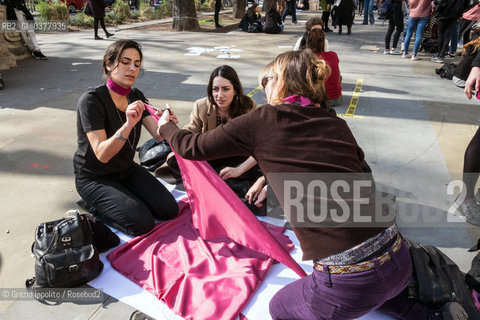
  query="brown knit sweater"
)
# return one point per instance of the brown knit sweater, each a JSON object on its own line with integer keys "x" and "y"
{"x": 286, "y": 139}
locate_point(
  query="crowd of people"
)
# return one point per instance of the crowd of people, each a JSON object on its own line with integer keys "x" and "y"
{"x": 296, "y": 131}
{"x": 246, "y": 143}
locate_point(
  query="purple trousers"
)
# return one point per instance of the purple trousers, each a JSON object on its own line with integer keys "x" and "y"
{"x": 323, "y": 295}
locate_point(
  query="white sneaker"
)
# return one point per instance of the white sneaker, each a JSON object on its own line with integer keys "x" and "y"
{"x": 386, "y": 51}
{"x": 405, "y": 55}
{"x": 414, "y": 57}
{"x": 395, "y": 52}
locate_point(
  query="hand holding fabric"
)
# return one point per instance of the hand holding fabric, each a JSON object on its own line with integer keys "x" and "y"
{"x": 134, "y": 112}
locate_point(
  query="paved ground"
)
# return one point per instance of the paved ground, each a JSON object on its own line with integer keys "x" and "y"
{"x": 413, "y": 126}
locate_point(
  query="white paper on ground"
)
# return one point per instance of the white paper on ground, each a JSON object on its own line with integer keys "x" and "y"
{"x": 119, "y": 287}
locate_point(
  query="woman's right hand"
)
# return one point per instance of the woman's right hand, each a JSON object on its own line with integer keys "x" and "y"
{"x": 255, "y": 192}
{"x": 134, "y": 112}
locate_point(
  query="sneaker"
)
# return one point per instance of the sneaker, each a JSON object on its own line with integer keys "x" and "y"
{"x": 470, "y": 209}
{"x": 434, "y": 57}
{"x": 39, "y": 55}
{"x": 449, "y": 311}
{"x": 98, "y": 38}
{"x": 415, "y": 57}
{"x": 439, "y": 60}
{"x": 449, "y": 57}
{"x": 405, "y": 55}
{"x": 386, "y": 51}
{"x": 477, "y": 196}
{"x": 295, "y": 23}
{"x": 109, "y": 34}
{"x": 395, "y": 52}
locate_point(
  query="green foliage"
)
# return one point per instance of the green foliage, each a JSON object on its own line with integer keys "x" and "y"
{"x": 164, "y": 10}
{"x": 153, "y": 13}
{"x": 121, "y": 10}
{"x": 81, "y": 20}
{"x": 146, "y": 11}
{"x": 53, "y": 11}
{"x": 206, "y": 6}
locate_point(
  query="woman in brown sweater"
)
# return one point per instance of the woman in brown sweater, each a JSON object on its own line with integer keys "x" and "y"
{"x": 360, "y": 264}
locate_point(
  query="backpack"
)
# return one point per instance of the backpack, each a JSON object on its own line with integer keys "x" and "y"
{"x": 446, "y": 71}
{"x": 385, "y": 10}
{"x": 254, "y": 27}
{"x": 437, "y": 279}
{"x": 65, "y": 252}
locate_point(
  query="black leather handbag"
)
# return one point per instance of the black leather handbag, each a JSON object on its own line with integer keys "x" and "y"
{"x": 153, "y": 153}
{"x": 65, "y": 253}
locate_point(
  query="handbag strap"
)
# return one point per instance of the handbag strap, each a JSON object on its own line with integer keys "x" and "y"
{"x": 29, "y": 283}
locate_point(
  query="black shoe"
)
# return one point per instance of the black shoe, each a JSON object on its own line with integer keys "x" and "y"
{"x": 450, "y": 311}
{"x": 328, "y": 30}
{"x": 109, "y": 34}
{"x": 349, "y": 32}
{"x": 138, "y": 315}
{"x": 38, "y": 55}
{"x": 98, "y": 38}
{"x": 218, "y": 26}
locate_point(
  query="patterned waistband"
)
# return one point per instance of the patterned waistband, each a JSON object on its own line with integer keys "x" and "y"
{"x": 362, "y": 251}
{"x": 363, "y": 266}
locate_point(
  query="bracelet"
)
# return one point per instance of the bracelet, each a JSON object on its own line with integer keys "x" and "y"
{"x": 119, "y": 136}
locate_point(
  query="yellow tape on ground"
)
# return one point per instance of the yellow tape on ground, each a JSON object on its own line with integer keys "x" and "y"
{"x": 254, "y": 91}
{"x": 354, "y": 101}
{"x": 351, "y": 107}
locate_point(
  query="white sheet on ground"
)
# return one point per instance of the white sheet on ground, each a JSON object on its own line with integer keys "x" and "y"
{"x": 119, "y": 287}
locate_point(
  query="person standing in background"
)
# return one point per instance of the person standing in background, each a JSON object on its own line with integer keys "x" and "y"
{"x": 17, "y": 10}
{"x": 218, "y": 6}
{"x": 98, "y": 13}
{"x": 420, "y": 12}
{"x": 368, "y": 11}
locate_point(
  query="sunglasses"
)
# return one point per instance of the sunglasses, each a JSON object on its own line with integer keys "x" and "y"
{"x": 265, "y": 81}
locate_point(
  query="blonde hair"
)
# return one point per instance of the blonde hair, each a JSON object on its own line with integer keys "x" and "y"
{"x": 302, "y": 73}
{"x": 475, "y": 43}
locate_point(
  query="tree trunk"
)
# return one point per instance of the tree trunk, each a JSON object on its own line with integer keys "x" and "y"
{"x": 239, "y": 7}
{"x": 185, "y": 16}
{"x": 267, "y": 4}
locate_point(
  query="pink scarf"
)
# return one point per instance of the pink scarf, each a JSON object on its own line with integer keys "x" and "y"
{"x": 304, "y": 101}
{"x": 112, "y": 85}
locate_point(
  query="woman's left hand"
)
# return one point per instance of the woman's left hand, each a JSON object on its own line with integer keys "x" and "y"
{"x": 166, "y": 116}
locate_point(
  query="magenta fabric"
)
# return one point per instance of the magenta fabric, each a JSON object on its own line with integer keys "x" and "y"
{"x": 112, "y": 85}
{"x": 476, "y": 299}
{"x": 218, "y": 212}
{"x": 197, "y": 279}
{"x": 304, "y": 101}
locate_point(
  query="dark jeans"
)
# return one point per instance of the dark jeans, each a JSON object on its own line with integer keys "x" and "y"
{"x": 325, "y": 16}
{"x": 218, "y": 6}
{"x": 291, "y": 5}
{"x": 322, "y": 295}
{"x": 129, "y": 201}
{"x": 395, "y": 22}
{"x": 445, "y": 27}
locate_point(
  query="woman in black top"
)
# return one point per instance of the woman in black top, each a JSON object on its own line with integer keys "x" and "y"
{"x": 273, "y": 20}
{"x": 109, "y": 121}
{"x": 250, "y": 18}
